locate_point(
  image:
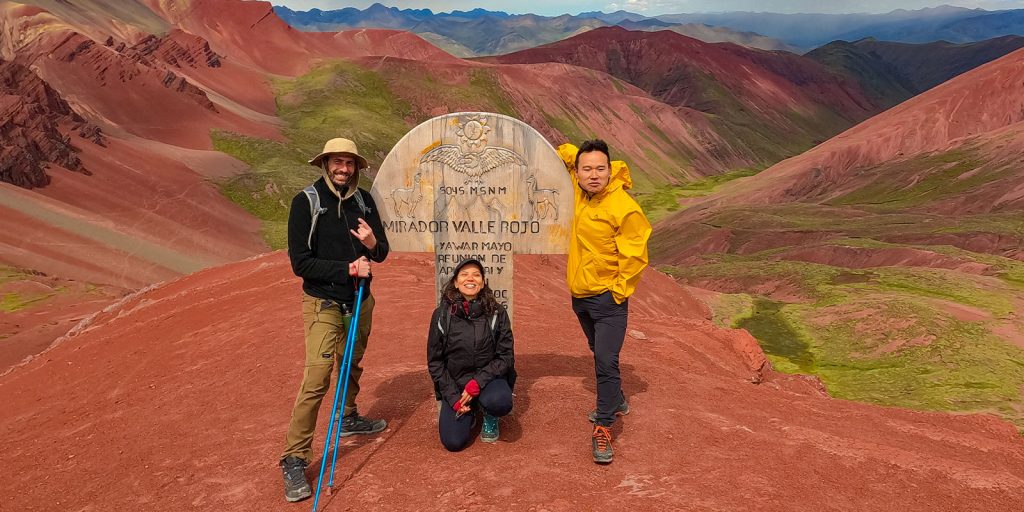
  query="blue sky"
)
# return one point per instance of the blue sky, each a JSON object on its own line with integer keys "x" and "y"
{"x": 654, "y": 7}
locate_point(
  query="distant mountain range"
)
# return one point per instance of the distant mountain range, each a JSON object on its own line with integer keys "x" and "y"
{"x": 890, "y": 73}
{"x": 943, "y": 23}
{"x": 482, "y": 32}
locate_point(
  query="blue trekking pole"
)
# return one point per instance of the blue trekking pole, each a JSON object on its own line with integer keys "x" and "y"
{"x": 353, "y": 333}
{"x": 343, "y": 372}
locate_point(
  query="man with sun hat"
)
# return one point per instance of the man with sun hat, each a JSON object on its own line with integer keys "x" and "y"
{"x": 334, "y": 232}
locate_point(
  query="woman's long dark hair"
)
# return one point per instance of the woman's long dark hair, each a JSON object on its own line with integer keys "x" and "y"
{"x": 486, "y": 296}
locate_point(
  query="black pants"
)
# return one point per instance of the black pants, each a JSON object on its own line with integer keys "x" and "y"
{"x": 604, "y": 323}
{"x": 495, "y": 399}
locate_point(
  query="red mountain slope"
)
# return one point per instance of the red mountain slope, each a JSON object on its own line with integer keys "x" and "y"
{"x": 251, "y": 33}
{"x": 147, "y": 212}
{"x": 981, "y": 111}
{"x": 192, "y": 415}
{"x": 34, "y": 118}
{"x": 656, "y": 61}
{"x": 664, "y": 143}
{"x": 787, "y": 95}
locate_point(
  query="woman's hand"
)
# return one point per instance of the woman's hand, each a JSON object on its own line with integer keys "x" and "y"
{"x": 462, "y": 406}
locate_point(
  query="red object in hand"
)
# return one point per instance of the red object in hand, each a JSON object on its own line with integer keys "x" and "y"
{"x": 473, "y": 388}
{"x": 457, "y": 406}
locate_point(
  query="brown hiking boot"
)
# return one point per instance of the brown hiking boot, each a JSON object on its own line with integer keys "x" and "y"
{"x": 296, "y": 486}
{"x": 601, "y": 442}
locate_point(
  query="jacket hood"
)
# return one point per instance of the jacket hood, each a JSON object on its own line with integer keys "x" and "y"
{"x": 353, "y": 183}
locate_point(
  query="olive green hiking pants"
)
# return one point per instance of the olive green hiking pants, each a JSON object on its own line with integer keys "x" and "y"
{"x": 326, "y": 329}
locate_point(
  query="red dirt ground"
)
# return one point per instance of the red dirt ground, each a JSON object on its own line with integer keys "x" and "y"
{"x": 179, "y": 398}
{"x": 57, "y": 305}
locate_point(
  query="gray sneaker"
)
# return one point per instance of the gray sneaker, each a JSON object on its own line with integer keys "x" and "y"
{"x": 296, "y": 486}
{"x": 621, "y": 410}
{"x": 355, "y": 424}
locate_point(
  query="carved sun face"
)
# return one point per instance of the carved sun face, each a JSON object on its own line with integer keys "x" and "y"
{"x": 473, "y": 130}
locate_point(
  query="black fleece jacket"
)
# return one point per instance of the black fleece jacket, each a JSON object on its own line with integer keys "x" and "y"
{"x": 468, "y": 350}
{"x": 324, "y": 268}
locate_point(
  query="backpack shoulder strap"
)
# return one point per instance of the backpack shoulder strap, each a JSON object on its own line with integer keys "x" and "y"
{"x": 361, "y": 202}
{"x": 494, "y": 327}
{"x": 314, "y": 211}
{"x": 442, "y": 321}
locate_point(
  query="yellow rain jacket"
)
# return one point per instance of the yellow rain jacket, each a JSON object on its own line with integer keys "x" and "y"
{"x": 608, "y": 248}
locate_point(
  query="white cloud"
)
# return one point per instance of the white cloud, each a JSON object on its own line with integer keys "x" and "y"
{"x": 638, "y": 6}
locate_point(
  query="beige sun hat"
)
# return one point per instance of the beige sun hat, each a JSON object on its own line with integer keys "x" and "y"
{"x": 342, "y": 146}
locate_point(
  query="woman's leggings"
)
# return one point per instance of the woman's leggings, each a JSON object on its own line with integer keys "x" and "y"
{"x": 495, "y": 399}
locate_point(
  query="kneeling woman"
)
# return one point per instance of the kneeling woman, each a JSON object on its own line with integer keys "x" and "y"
{"x": 470, "y": 357}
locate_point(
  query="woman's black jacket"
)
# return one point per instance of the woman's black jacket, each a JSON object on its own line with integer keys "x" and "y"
{"x": 462, "y": 347}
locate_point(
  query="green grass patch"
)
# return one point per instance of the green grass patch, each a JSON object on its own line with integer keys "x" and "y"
{"x": 278, "y": 172}
{"x": 943, "y": 284}
{"x": 341, "y": 99}
{"x": 334, "y": 100}
{"x": 943, "y": 364}
{"x": 568, "y": 127}
{"x": 780, "y": 338}
{"x": 12, "y": 302}
{"x": 663, "y": 200}
{"x": 876, "y": 334}
{"x": 483, "y": 83}
{"x": 618, "y": 85}
{"x": 923, "y": 180}
{"x": 728, "y": 309}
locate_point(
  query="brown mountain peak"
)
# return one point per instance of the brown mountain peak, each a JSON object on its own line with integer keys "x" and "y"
{"x": 33, "y": 114}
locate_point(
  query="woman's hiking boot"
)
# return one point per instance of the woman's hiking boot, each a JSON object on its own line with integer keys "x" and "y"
{"x": 489, "y": 433}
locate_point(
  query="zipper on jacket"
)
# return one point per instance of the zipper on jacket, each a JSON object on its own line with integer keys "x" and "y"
{"x": 576, "y": 231}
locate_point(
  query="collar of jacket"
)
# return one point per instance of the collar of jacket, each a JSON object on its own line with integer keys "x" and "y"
{"x": 459, "y": 308}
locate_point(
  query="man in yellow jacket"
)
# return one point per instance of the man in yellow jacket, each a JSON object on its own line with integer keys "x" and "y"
{"x": 607, "y": 254}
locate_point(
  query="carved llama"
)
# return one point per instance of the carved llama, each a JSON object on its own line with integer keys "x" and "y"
{"x": 406, "y": 199}
{"x": 542, "y": 200}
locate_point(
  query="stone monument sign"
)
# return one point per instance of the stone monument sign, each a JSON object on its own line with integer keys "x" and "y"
{"x": 475, "y": 185}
